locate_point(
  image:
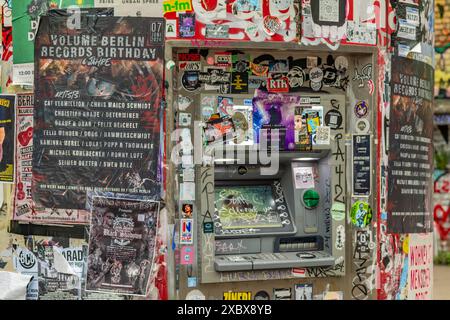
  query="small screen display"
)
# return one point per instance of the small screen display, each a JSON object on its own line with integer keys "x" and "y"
{"x": 250, "y": 206}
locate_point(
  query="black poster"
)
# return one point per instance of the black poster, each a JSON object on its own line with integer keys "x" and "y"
{"x": 361, "y": 165}
{"x": 410, "y": 147}
{"x": 7, "y": 124}
{"x": 121, "y": 245}
{"x": 97, "y": 108}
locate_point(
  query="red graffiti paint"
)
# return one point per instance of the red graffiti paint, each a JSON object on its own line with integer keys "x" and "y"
{"x": 441, "y": 218}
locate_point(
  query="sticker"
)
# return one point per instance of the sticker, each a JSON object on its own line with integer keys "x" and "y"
{"x": 185, "y": 119}
{"x": 282, "y": 294}
{"x": 361, "y": 214}
{"x": 329, "y": 11}
{"x": 299, "y": 272}
{"x": 340, "y": 237}
{"x": 195, "y": 295}
{"x": 208, "y": 227}
{"x": 304, "y": 291}
{"x": 363, "y": 244}
{"x": 187, "y": 255}
{"x": 365, "y": 74}
{"x": 255, "y": 82}
{"x": 333, "y": 295}
{"x": 361, "y": 109}
{"x": 187, "y": 210}
{"x": 225, "y": 106}
{"x": 237, "y": 295}
{"x": 278, "y": 66}
{"x": 246, "y": 9}
{"x": 187, "y": 191}
{"x": 412, "y": 16}
{"x": 258, "y": 69}
{"x": 176, "y": 5}
{"x": 186, "y": 25}
{"x": 304, "y": 177}
{"x": 338, "y": 211}
{"x": 261, "y": 295}
{"x": 271, "y": 25}
{"x": 362, "y": 126}
{"x": 310, "y": 199}
{"x": 296, "y": 77}
{"x": 361, "y": 165}
{"x": 403, "y": 50}
{"x": 341, "y": 63}
{"x": 210, "y": 60}
{"x": 333, "y": 119}
{"x": 405, "y": 30}
{"x": 323, "y": 135}
{"x": 188, "y": 175}
{"x": 279, "y": 84}
{"x": 239, "y": 82}
{"x": 311, "y": 62}
{"x": 189, "y": 65}
{"x": 171, "y": 28}
{"x": 240, "y": 62}
{"x": 371, "y": 86}
{"x": 189, "y": 57}
{"x": 223, "y": 59}
{"x": 184, "y": 102}
{"x": 316, "y": 74}
{"x": 405, "y": 244}
{"x": 186, "y": 231}
{"x": 187, "y": 161}
{"x": 190, "y": 81}
{"x": 315, "y": 86}
{"x": 192, "y": 282}
{"x": 170, "y": 64}
{"x": 217, "y": 31}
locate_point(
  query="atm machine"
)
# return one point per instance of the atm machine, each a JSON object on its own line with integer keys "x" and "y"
{"x": 276, "y": 214}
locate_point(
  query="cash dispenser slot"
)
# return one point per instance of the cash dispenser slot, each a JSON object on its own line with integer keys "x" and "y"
{"x": 294, "y": 244}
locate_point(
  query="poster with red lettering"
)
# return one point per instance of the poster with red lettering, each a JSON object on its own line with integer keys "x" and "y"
{"x": 420, "y": 262}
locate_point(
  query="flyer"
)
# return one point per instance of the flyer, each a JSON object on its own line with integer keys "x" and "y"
{"x": 7, "y": 110}
{"x": 410, "y": 147}
{"x": 24, "y": 208}
{"x": 97, "y": 109}
{"x": 122, "y": 244}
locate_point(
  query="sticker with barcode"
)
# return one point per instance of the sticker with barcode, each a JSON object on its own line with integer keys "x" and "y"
{"x": 412, "y": 16}
{"x": 406, "y": 30}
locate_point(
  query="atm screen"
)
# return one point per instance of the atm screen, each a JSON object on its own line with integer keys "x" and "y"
{"x": 250, "y": 208}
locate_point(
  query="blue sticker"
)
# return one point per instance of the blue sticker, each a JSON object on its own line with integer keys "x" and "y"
{"x": 248, "y": 102}
{"x": 192, "y": 282}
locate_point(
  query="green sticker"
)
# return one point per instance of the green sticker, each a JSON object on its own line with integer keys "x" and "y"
{"x": 361, "y": 214}
{"x": 311, "y": 198}
{"x": 338, "y": 211}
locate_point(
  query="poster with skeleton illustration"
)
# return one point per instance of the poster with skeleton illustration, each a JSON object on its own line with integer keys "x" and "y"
{"x": 97, "y": 108}
{"x": 121, "y": 245}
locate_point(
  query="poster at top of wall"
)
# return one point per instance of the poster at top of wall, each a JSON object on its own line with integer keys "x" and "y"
{"x": 410, "y": 147}
{"x": 122, "y": 243}
{"x": 25, "y": 20}
{"x": 420, "y": 267}
{"x": 24, "y": 208}
{"x": 134, "y": 8}
{"x": 7, "y": 111}
{"x": 97, "y": 109}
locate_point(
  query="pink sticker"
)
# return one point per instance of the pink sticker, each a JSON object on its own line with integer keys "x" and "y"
{"x": 187, "y": 255}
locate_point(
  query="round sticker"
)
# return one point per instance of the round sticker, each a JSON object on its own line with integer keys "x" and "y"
{"x": 310, "y": 199}
{"x": 261, "y": 295}
{"x": 195, "y": 295}
{"x": 190, "y": 80}
{"x": 316, "y": 74}
{"x": 338, "y": 211}
{"x": 315, "y": 86}
{"x": 361, "y": 214}
{"x": 362, "y": 126}
{"x": 296, "y": 77}
{"x": 341, "y": 63}
{"x": 333, "y": 119}
{"x": 210, "y": 60}
{"x": 271, "y": 25}
{"x": 361, "y": 109}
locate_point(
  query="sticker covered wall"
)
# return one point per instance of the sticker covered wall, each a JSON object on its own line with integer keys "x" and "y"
{"x": 97, "y": 106}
